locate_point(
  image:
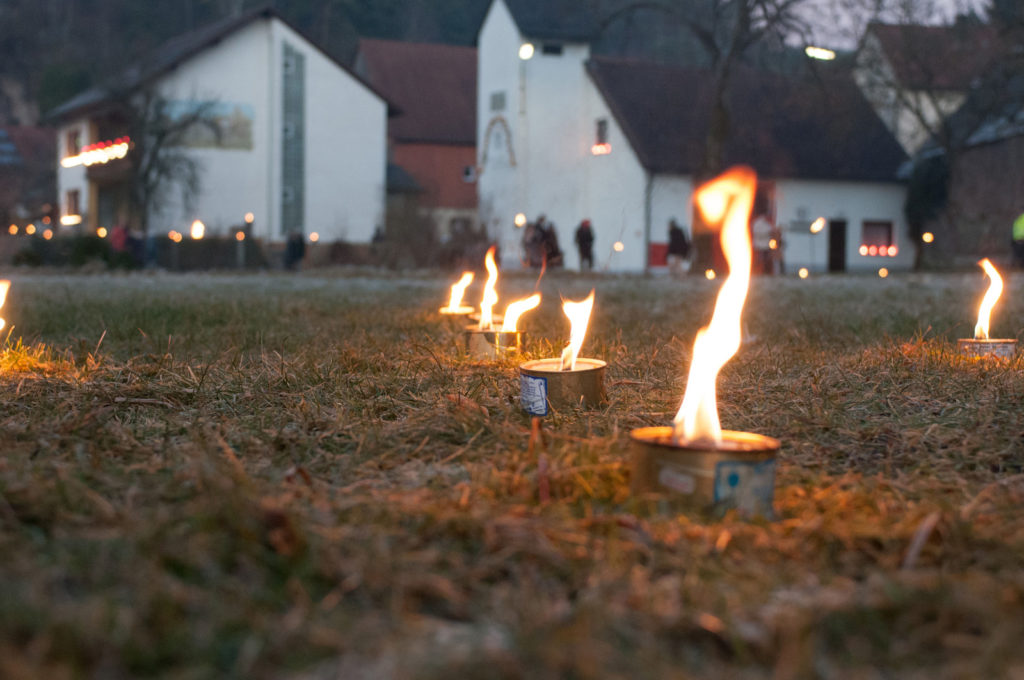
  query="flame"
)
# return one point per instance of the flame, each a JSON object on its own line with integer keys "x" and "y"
{"x": 4, "y": 285}
{"x": 995, "y": 289}
{"x": 458, "y": 290}
{"x": 579, "y": 317}
{"x": 517, "y": 309}
{"x": 490, "y": 297}
{"x": 728, "y": 200}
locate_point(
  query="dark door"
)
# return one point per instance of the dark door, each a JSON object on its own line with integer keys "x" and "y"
{"x": 837, "y": 246}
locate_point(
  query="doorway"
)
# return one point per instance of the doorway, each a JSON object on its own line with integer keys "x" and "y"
{"x": 837, "y": 245}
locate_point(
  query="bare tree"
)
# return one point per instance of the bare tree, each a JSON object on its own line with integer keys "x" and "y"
{"x": 163, "y": 168}
{"x": 728, "y": 31}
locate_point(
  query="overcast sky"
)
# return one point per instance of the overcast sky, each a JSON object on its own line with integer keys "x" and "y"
{"x": 838, "y": 23}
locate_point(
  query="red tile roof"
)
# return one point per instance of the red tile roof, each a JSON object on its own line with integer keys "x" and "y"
{"x": 434, "y": 87}
{"x": 937, "y": 57}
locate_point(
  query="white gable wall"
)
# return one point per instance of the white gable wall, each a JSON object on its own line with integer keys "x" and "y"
{"x": 799, "y": 202}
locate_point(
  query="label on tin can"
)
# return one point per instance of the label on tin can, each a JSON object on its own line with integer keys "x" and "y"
{"x": 676, "y": 480}
{"x": 746, "y": 485}
{"x": 533, "y": 394}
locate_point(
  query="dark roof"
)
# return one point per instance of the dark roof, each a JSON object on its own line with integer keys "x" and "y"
{"x": 785, "y": 127}
{"x": 433, "y": 85}
{"x": 27, "y": 147}
{"x": 568, "y": 20}
{"x": 171, "y": 54}
{"x": 937, "y": 57}
{"x": 399, "y": 181}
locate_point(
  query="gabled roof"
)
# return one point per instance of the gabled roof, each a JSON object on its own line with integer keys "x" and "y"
{"x": 174, "y": 52}
{"x": 784, "y": 127}
{"x": 433, "y": 85}
{"x": 937, "y": 57}
{"x": 568, "y": 20}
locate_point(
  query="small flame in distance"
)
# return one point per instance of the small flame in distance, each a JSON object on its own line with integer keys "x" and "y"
{"x": 579, "y": 318}
{"x": 4, "y": 286}
{"x": 458, "y": 290}
{"x": 517, "y": 309}
{"x": 995, "y": 289}
{"x": 490, "y": 297}
{"x": 728, "y": 200}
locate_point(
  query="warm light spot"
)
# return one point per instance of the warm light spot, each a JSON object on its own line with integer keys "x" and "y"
{"x": 601, "y": 149}
{"x": 927, "y": 237}
{"x": 101, "y": 152}
{"x": 773, "y": 244}
{"x": 883, "y": 272}
{"x": 892, "y": 251}
{"x": 314, "y": 237}
{"x": 817, "y": 225}
{"x": 13, "y": 229}
{"x": 175, "y": 236}
{"x": 863, "y": 250}
{"x": 102, "y": 232}
{"x": 249, "y": 218}
{"x": 803, "y": 273}
{"x": 46, "y": 219}
{"x": 618, "y": 246}
{"x": 819, "y": 53}
{"x": 30, "y": 229}
{"x": 490, "y": 296}
{"x": 579, "y": 318}
{"x": 239, "y": 235}
{"x": 516, "y": 310}
{"x": 995, "y": 289}
{"x": 726, "y": 200}
{"x": 198, "y": 230}
{"x": 520, "y": 220}
{"x": 872, "y": 250}
{"x": 4, "y": 286}
{"x": 71, "y": 220}
{"x": 526, "y": 51}
{"x": 710, "y": 274}
{"x": 48, "y": 234}
{"x": 458, "y": 291}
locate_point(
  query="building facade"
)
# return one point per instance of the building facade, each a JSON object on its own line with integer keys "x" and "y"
{"x": 572, "y": 136}
{"x": 290, "y": 138}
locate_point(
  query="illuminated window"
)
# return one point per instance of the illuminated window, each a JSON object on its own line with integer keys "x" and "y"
{"x": 498, "y": 101}
{"x": 876, "y": 234}
{"x": 73, "y": 143}
{"x": 553, "y": 49}
{"x": 71, "y": 203}
{"x": 601, "y": 145}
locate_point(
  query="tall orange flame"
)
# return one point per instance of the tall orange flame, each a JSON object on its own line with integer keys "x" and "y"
{"x": 517, "y": 309}
{"x": 490, "y": 297}
{"x": 579, "y": 318}
{"x": 4, "y": 285}
{"x": 995, "y": 289}
{"x": 727, "y": 200}
{"x": 458, "y": 290}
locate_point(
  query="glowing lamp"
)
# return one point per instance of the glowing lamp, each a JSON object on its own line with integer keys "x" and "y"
{"x": 883, "y": 273}
{"x": 13, "y": 229}
{"x": 198, "y": 230}
{"x": 314, "y": 237}
{"x": 70, "y": 220}
{"x": 239, "y": 235}
{"x": 928, "y": 237}
{"x": 520, "y": 220}
{"x": 526, "y": 51}
{"x": 102, "y": 232}
{"x": 48, "y": 234}
{"x": 30, "y": 229}
{"x": 803, "y": 273}
{"x": 618, "y": 246}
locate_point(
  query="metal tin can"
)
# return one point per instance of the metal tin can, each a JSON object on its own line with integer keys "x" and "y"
{"x": 737, "y": 473}
{"x": 492, "y": 344}
{"x": 544, "y": 386}
{"x": 1002, "y": 348}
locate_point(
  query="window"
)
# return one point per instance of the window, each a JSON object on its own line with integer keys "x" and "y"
{"x": 71, "y": 203}
{"x": 876, "y": 239}
{"x": 469, "y": 174}
{"x": 498, "y": 101}
{"x": 601, "y": 145}
{"x": 73, "y": 143}
{"x": 553, "y": 49}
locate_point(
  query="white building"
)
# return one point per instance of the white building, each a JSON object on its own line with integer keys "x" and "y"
{"x": 302, "y": 144}
{"x": 571, "y": 136}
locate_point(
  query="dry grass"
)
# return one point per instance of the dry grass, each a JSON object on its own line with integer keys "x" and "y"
{"x": 270, "y": 477}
